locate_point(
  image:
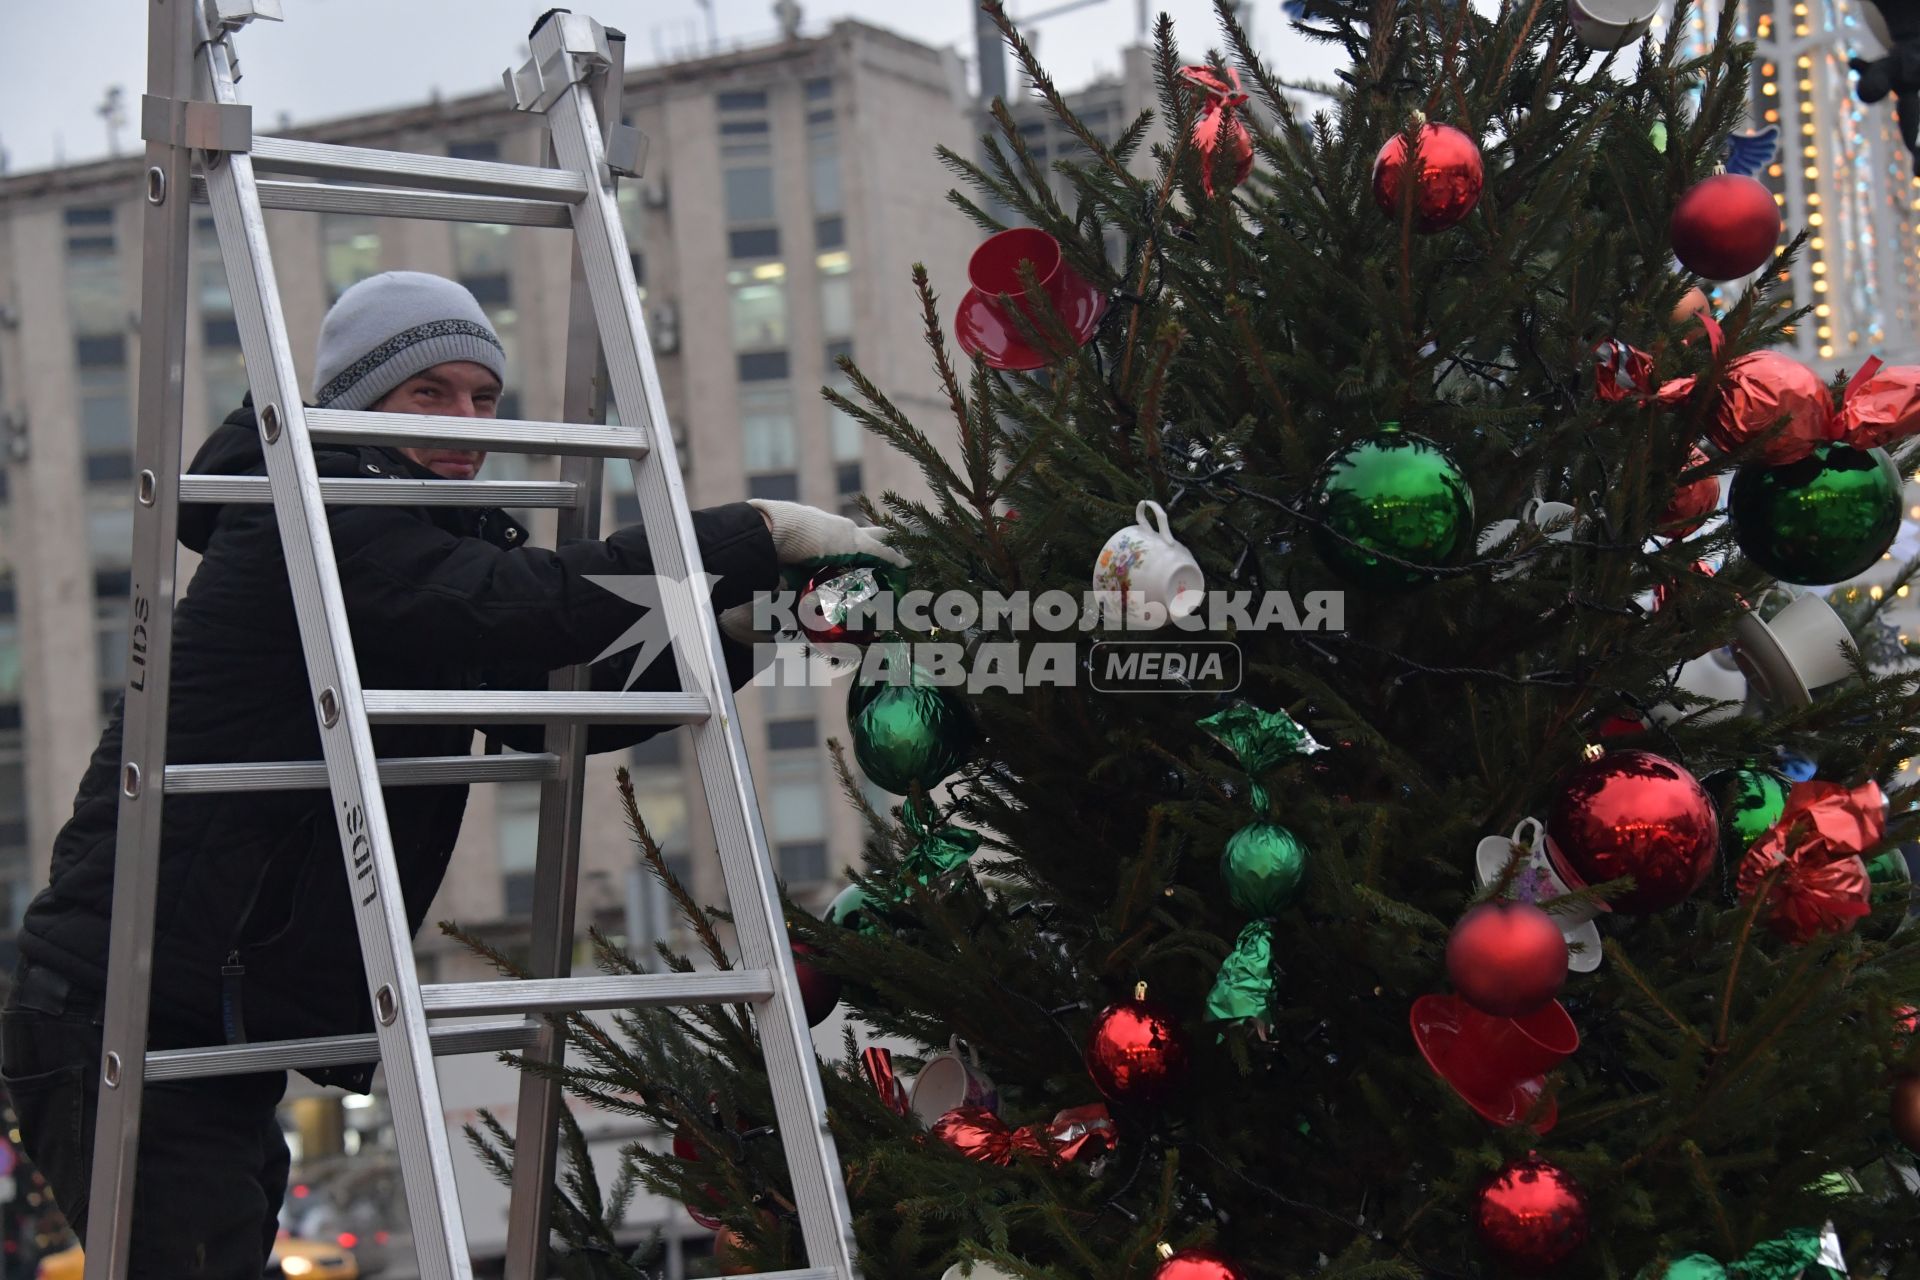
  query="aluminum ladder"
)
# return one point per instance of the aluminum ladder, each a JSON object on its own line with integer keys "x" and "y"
{"x": 199, "y": 143}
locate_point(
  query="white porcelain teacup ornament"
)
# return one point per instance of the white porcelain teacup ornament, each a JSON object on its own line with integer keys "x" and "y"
{"x": 980, "y": 1271}
{"x": 1144, "y": 568}
{"x": 951, "y": 1080}
{"x": 1538, "y": 881}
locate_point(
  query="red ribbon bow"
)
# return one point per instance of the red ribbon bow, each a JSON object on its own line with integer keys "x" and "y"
{"x": 1816, "y": 847}
{"x": 1219, "y": 113}
{"x": 978, "y": 1134}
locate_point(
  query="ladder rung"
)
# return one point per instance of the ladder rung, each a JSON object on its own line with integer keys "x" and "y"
{"x": 508, "y": 435}
{"x": 332, "y": 1051}
{"x": 392, "y": 493}
{"x": 409, "y": 169}
{"x": 401, "y": 771}
{"x": 620, "y": 991}
{"x": 531, "y": 706}
{"x": 394, "y": 202}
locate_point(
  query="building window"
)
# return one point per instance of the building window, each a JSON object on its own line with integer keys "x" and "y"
{"x": 846, "y": 478}
{"x": 350, "y": 250}
{"x": 845, "y": 436}
{"x": 225, "y": 373}
{"x": 797, "y": 814}
{"x": 792, "y": 735}
{"x": 836, "y": 302}
{"x": 9, "y": 659}
{"x": 823, "y": 164}
{"x": 774, "y": 488}
{"x": 633, "y": 222}
{"x": 759, "y": 242}
{"x": 762, "y": 366}
{"x": 829, "y": 233}
{"x": 819, "y": 90}
{"x": 766, "y": 429}
{"x": 106, "y": 422}
{"x": 759, "y": 307}
{"x": 749, "y": 194}
{"x": 475, "y": 149}
{"x": 110, "y": 535}
{"x": 516, "y": 820}
{"x": 482, "y": 249}
{"x": 660, "y": 789}
{"x": 742, "y": 100}
{"x": 110, "y": 634}
{"x": 95, "y": 302}
{"x": 841, "y": 349}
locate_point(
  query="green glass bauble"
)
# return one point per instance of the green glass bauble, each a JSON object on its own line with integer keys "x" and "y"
{"x": 1820, "y": 520}
{"x": 1748, "y": 801}
{"x": 854, "y": 908}
{"x": 908, "y": 733}
{"x": 1263, "y": 866}
{"x": 1391, "y": 494}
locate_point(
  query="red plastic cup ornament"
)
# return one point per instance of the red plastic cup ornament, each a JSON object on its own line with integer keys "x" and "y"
{"x": 982, "y": 325}
{"x": 1497, "y": 1065}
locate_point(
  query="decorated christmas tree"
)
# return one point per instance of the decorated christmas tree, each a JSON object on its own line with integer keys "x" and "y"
{"x": 1522, "y": 890}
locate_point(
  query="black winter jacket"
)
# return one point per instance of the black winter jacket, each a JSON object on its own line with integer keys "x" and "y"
{"x": 437, "y": 598}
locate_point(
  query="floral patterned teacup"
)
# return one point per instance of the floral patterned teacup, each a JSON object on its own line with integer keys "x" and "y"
{"x": 1142, "y": 565}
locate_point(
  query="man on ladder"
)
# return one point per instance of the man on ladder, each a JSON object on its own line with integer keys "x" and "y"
{"x": 255, "y": 933}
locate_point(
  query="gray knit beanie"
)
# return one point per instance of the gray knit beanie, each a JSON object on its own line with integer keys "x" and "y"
{"x": 389, "y": 327}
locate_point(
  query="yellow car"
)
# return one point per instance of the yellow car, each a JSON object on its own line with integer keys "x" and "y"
{"x": 293, "y": 1258}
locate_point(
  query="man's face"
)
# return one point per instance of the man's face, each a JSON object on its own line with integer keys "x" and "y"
{"x": 457, "y": 389}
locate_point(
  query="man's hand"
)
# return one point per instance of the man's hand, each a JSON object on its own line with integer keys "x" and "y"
{"x": 805, "y": 535}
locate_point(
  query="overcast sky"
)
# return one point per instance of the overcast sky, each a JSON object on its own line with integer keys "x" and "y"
{"x": 340, "y": 57}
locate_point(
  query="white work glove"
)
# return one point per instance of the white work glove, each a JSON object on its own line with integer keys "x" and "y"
{"x": 804, "y": 535}
{"x": 807, "y": 535}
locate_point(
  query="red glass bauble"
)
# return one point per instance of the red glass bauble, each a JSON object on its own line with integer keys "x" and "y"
{"x": 1633, "y": 813}
{"x": 685, "y": 1148}
{"x": 1691, "y": 503}
{"x": 1532, "y": 1216}
{"x": 1507, "y": 958}
{"x": 1198, "y": 1264}
{"x": 819, "y": 990}
{"x": 1905, "y": 1112}
{"x": 729, "y": 1254}
{"x": 1451, "y": 177}
{"x": 1725, "y": 227}
{"x": 823, "y": 605}
{"x": 1137, "y": 1052}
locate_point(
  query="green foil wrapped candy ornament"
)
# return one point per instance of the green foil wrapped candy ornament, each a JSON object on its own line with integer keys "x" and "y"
{"x": 854, "y": 908}
{"x": 1823, "y": 519}
{"x": 1243, "y": 990}
{"x": 1389, "y": 507}
{"x": 908, "y": 734}
{"x": 1695, "y": 1266}
{"x": 1264, "y": 865}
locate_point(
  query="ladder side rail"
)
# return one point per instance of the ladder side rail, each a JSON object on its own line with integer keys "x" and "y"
{"x": 346, "y": 738}
{"x": 556, "y": 881}
{"x": 163, "y": 325}
{"x": 799, "y": 1102}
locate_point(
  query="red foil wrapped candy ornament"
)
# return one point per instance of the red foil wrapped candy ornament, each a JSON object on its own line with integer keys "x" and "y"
{"x": 1532, "y": 1216}
{"x": 1691, "y": 503}
{"x": 1451, "y": 177}
{"x": 1768, "y": 396}
{"x": 1881, "y": 407}
{"x": 840, "y": 605}
{"x": 1137, "y": 1053}
{"x": 1220, "y": 128}
{"x": 1195, "y": 1264}
{"x": 982, "y": 324}
{"x": 1809, "y": 864}
{"x": 978, "y": 1134}
{"x": 1633, "y": 813}
{"x": 1725, "y": 227}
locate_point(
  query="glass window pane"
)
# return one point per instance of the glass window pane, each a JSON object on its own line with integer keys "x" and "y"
{"x": 766, "y": 429}
{"x": 9, "y": 668}
{"x": 797, "y": 809}
{"x": 351, "y": 248}
{"x": 823, "y": 171}
{"x": 759, "y": 242}
{"x": 633, "y": 214}
{"x": 112, "y": 635}
{"x": 517, "y": 819}
{"x": 742, "y": 100}
{"x": 845, "y": 435}
{"x": 762, "y": 366}
{"x": 662, "y": 797}
{"x": 106, "y": 411}
{"x": 482, "y": 249}
{"x": 749, "y": 194}
{"x": 784, "y": 487}
{"x": 225, "y": 373}
{"x": 94, "y": 301}
{"x": 836, "y": 306}
{"x": 829, "y": 233}
{"x": 110, "y": 535}
{"x": 759, "y": 309}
